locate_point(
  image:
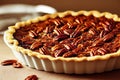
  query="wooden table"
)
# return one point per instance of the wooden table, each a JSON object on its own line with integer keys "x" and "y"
{"x": 10, "y": 73}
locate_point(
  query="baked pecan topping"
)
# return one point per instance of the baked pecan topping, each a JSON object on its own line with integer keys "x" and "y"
{"x": 71, "y": 36}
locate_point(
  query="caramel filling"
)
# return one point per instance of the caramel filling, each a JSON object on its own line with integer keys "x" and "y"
{"x": 71, "y": 36}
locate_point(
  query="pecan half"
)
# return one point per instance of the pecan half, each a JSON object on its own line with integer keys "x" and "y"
{"x": 60, "y": 52}
{"x": 17, "y": 65}
{"x": 31, "y": 77}
{"x": 32, "y": 33}
{"x": 68, "y": 31}
{"x": 57, "y": 22}
{"x": 108, "y": 37}
{"x": 56, "y": 47}
{"x": 76, "y": 32}
{"x": 69, "y": 40}
{"x": 81, "y": 54}
{"x": 102, "y": 33}
{"x": 77, "y": 20}
{"x": 39, "y": 29}
{"x": 8, "y": 62}
{"x": 58, "y": 31}
{"x": 26, "y": 38}
{"x": 102, "y": 51}
{"x": 94, "y": 51}
{"x": 118, "y": 25}
{"x": 93, "y": 31}
{"x": 71, "y": 25}
{"x": 35, "y": 45}
{"x": 49, "y": 29}
{"x": 69, "y": 54}
{"x": 98, "y": 42}
{"x": 106, "y": 25}
{"x": 61, "y": 37}
{"x": 69, "y": 46}
{"x": 64, "y": 27}
{"x": 44, "y": 51}
{"x": 89, "y": 24}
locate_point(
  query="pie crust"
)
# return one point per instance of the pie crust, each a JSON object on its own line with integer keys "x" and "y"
{"x": 82, "y": 65}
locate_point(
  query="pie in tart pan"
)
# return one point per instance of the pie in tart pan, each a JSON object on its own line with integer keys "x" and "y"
{"x": 82, "y": 42}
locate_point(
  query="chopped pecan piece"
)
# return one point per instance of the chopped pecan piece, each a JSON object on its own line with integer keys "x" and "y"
{"x": 31, "y": 77}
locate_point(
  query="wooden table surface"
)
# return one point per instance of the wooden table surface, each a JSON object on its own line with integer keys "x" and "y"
{"x": 10, "y": 73}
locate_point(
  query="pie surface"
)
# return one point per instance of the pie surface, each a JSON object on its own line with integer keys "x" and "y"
{"x": 71, "y": 36}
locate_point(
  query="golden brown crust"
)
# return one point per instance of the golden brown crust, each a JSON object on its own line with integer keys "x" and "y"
{"x": 10, "y": 39}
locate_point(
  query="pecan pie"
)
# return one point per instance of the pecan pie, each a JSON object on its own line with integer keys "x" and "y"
{"x": 68, "y": 42}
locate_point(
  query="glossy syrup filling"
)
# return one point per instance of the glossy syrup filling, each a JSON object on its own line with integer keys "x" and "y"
{"x": 71, "y": 36}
